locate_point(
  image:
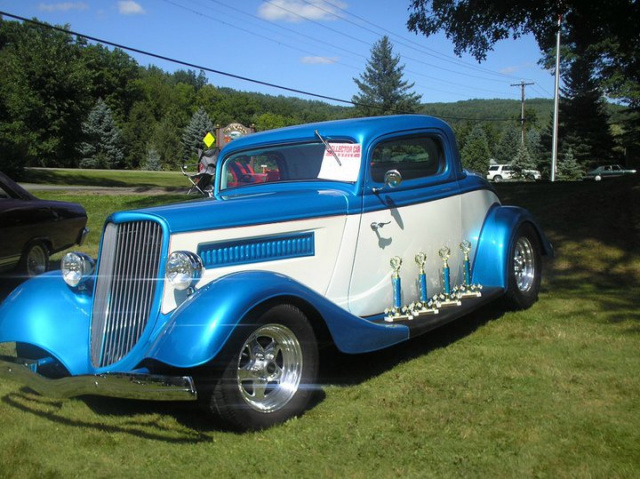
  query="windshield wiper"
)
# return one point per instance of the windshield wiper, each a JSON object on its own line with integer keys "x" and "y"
{"x": 328, "y": 147}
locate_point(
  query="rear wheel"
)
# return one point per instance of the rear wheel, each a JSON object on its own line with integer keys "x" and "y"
{"x": 497, "y": 178}
{"x": 35, "y": 259}
{"x": 269, "y": 373}
{"x": 524, "y": 269}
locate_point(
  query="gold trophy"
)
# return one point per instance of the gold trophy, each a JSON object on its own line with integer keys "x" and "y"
{"x": 423, "y": 305}
{"x": 467, "y": 289}
{"x": 447, "y": 297}
{"x": 397, "y": 311}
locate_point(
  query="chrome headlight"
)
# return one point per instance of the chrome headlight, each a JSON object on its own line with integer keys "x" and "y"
{"x": 183, "y": 269}
{"x": 76, "y": 268}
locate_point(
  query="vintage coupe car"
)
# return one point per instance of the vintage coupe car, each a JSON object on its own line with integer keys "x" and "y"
{"x": 32, "y": 229}
{"x": 359, "y": 234}
{"x": 607, "y": 171}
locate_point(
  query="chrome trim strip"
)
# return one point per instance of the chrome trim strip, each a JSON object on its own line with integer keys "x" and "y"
{"x": 151, "y": 387}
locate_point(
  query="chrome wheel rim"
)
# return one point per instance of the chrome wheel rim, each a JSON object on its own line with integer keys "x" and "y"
{"x": 524, "y": 269}
{"x": 36, "y": 261}
{"x": 269, "y": 368}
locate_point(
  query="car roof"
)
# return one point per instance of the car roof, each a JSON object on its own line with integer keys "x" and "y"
{"x": 357, "y": 129}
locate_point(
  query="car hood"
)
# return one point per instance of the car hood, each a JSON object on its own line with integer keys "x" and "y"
{"x": 246, "y": 210}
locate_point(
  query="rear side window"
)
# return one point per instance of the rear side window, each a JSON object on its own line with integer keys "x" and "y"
{"x": 414, "y": 157}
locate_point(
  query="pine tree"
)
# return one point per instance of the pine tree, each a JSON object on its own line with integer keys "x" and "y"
{"x": 382, "y": 89}
{"x": 522, "y": 162}
{"x": 195, "y": 131}
{"x": 509, "y": 144}
{"x": 584, "y": 121}
{"x": 102, "y": 146}
{"x": 475, "y": 154}
{"x": 153, "y": 161}
{"x": 568, "y": 167}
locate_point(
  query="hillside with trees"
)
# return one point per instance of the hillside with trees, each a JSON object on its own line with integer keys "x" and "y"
{"x": 65, "y": 102}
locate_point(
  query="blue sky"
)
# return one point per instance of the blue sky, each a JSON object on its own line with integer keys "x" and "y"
{"x": 316, "y": 46}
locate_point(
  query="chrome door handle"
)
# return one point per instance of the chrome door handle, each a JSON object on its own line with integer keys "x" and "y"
{"x": 376, "y": 226}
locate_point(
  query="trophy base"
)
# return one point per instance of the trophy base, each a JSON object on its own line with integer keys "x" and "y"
{"x": 396, "y": 314}
{"x": 450, "y": 303}
{"x": 425, "y": 311}
{"x": 470, "y": 294}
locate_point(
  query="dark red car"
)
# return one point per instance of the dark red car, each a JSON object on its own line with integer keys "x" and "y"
{"x": 32, "y": 229}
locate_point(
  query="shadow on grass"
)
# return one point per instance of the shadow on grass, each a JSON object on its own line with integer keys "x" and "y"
{"x": 349, "y": 370}
{"x": 141, "y": 417}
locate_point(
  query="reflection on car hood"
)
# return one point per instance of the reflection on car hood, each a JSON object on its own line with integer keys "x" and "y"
{"x": 248, "y": 209}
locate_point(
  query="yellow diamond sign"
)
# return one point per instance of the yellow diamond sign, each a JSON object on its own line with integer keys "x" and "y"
{"x": 209, "y": 139}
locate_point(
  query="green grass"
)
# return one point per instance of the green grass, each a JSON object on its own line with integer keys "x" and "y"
{"x": 553, "y": 391}
{"x": 169, "y": 180}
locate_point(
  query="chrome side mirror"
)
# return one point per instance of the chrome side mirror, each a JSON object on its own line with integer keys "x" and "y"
{"x": 392, "y": 179}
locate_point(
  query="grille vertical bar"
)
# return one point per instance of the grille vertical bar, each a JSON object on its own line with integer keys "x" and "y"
{"x": 126, "y": 283}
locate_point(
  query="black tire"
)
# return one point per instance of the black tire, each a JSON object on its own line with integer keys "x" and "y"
{"x": 269, "y": 372}
{"x": 35, "y": 259}
{"x": 524, "y": 269}
{"x": 497, "y": 179}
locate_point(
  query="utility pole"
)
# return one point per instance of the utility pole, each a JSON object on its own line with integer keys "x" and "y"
{"x": 556, "y": 99}
{"x": 522, "y": 84}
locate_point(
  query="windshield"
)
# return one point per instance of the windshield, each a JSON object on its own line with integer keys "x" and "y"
{"x": 299, "y": 162}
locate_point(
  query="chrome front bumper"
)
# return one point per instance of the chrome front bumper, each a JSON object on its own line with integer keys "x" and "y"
{"x": 119, "y": 385}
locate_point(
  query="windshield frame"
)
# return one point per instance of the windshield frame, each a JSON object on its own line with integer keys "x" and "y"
{"x": 304, "y": 161}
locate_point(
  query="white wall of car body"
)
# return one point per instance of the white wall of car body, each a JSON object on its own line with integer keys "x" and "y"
{"x": 316, "y": 272}
{"x": 424, "y": 227}
{"x": 359, "y": 278}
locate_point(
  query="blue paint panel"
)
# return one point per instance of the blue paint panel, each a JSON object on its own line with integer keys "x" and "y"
{"x": 257, "y": 250}
{"x": 45, "y": 312}
{"x": 501, "y": 223}
{"x": 200, "y": 327}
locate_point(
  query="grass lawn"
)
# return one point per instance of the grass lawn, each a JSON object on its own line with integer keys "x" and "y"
{"x": 553, "y": 391}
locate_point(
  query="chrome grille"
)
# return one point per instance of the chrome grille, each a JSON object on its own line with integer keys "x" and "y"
{"x": 125, "y": 288}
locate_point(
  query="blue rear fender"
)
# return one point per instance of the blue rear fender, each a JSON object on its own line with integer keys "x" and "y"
{"x": 201, "y": 326}
{"x": 500, "y": 225}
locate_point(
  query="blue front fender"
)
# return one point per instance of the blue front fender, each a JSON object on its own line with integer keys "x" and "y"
{"x": 45, "y": 312}
{"x": 201, "y": 326}
{"x": 500, "y": 225}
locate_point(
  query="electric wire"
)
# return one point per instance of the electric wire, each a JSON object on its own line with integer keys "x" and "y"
{"x": 212, "y": 70}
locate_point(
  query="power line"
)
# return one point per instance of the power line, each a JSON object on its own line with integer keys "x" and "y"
{"x": 211, "y": 70}
{"x": 174, "y": 60}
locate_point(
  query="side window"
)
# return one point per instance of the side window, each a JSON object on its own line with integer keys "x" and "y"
{"x": 414, "y": 157}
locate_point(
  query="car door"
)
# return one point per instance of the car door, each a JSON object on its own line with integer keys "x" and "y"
{"x": 420, "y": 215}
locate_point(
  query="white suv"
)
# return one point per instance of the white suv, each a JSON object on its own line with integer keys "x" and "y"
{"x": 499, "y": 173}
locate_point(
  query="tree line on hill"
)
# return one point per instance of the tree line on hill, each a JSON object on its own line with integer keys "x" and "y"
{"x": 65, "y": 102}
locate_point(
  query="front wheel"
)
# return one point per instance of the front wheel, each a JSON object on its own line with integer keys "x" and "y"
{"x": 524, "y": 269}
{"x": 270, "y": 371}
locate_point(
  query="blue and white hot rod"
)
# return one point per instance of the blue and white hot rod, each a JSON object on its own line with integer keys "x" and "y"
{"x": 358, "y": 233}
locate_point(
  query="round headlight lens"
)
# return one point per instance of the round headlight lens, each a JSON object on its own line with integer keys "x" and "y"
{"x": 76, "y": 268}
{"x": 183, "y": 269}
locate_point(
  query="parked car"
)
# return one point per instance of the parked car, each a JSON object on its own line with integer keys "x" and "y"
{"x": 32, "y": 229}
{"x": 607, "y": 171}
{"x": 359, "y": 233}
{"x": 499, "y": 173}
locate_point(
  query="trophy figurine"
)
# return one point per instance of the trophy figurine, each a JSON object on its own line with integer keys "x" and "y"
{"x": 397, "y": 311}
{"x": 446, "y": 298}
{"x": 468, "y": 290}
{"x": 423, "y": 306}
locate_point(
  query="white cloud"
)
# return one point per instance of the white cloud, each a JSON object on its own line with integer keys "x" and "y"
{"x": 319, "y": 60}
{"x": 62, "y": 6}
{"x": 300, "y": 10}
{"x": 129, "y": 7}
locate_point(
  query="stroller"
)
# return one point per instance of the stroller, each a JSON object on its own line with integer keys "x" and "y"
{"x": 202, "y": 181}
